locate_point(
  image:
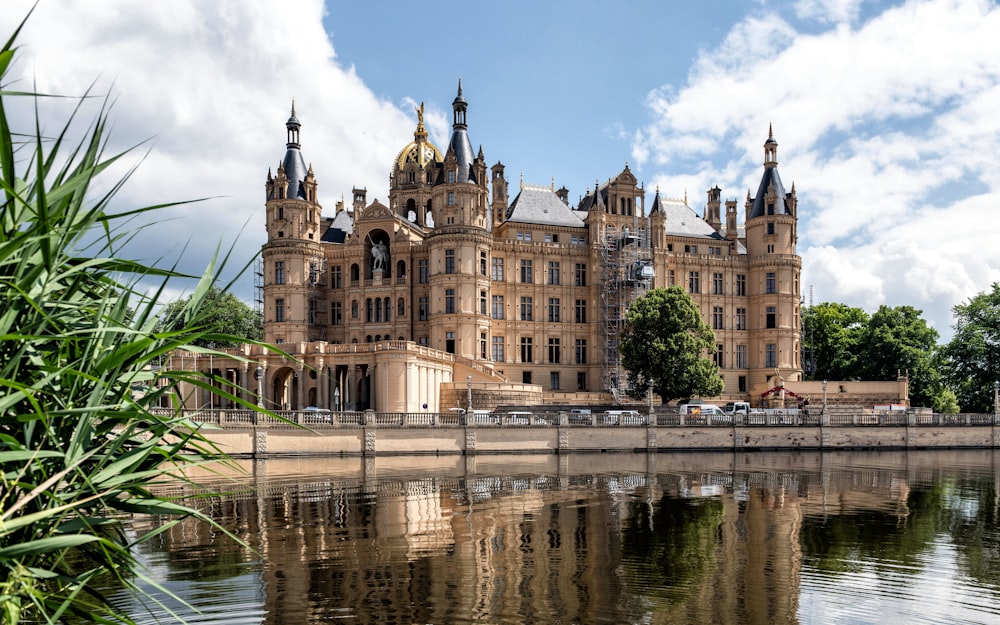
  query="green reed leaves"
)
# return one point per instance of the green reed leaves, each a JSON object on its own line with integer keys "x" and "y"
{"x": 80, "y": 437}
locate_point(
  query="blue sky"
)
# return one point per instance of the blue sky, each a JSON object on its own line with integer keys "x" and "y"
{"x": 885, "y": 113}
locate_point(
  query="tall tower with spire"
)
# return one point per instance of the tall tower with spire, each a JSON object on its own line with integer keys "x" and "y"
{"x": 774, "y": 267}
{"x": 459, "y": 245}
{"x": 293, "y": 259}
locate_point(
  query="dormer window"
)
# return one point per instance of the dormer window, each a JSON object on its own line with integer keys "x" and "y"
{"x": 451, "y": 177}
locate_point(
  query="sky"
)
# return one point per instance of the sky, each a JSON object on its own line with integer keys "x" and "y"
{"x": 885, "y": 114}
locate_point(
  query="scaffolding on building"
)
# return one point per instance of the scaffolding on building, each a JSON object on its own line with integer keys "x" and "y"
{"x": 628, "y": 273}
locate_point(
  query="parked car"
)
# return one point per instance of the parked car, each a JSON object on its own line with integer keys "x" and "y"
{"x": 314, "y": 414}
{"x": 623, "y": 417}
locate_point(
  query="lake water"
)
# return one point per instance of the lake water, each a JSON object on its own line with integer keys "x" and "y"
{"x": 758, "y": 538}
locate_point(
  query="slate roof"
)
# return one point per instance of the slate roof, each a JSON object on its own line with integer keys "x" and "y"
{"x": 770, "y": 177}
{"x": 682, "y": 220}
{"x": 338, "y": 228}
{"x": 540, "y": 205}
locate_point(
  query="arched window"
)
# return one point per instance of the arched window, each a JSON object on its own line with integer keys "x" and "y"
{"x": 401, "y": 271}
{"x": 387, "y": 305}
{"x": 354, "y": 309}
{"x": 355, "y": 272}
{"x": 401, "y": 308}
{"x": 368, "y": 339}
{"x": 368, "y": 310}
{"x": 411, "y": 209}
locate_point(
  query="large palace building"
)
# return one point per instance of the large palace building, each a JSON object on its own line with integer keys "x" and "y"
{"x": 462, "y": 281}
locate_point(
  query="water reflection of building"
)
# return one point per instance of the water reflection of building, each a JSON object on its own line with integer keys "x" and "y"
{"x": 472, "y": 548}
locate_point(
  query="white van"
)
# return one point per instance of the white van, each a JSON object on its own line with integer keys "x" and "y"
{"x": 622, "y": 417}
{"x": 703, "y": 412}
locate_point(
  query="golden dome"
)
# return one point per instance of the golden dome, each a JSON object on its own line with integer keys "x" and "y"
{"x": 420, "y": 150}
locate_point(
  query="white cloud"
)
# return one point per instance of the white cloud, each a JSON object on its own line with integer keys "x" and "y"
{"x": 213, "y": 83}
{"x": 887, "y": 127}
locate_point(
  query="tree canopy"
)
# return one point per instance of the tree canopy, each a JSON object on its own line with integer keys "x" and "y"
{"x": 970, "y": 362}
{"x": 845, "y": 343}
{"x": 831, "y": 335}
{"x": 664, "y": 344}
{"x": 223, "y": 313}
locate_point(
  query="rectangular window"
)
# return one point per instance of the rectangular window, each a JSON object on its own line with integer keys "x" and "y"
{"x": 741, "y": 357}
{"x": 424, "y": 341}
{"x": 581, "y": 380}
{"x": 694, "y": 282}
{"x": 449, "y": 261}
{"x": 354, "y": 309}
{"x": 279, "y": 310}
{"x": 554, "y": 380}
{"x": 335, "y": 277}
{"x": 770, "y": 355}
{"x": 770, "y": 319}
{"x": 424, "y": 309}
{"x": 526, "y": 377}
{"x": 482, "y": 263}
{"x": 482, "y": 303}
{"x": 526, "y": 350}
{"x": 717, "y": 357}
{"x": 526, "y": 306}
{"x": 554, "y": 310}
{"x": 554, "y": 353}
{"x": 337, "y": 313}
{"x": 580, "y": 275}
{"x": 716, "y": 284}
{"x": 497, "y": 301}
{"x": 581, "y": 351}
{"x": 423, "y": 271}
{"x": 771, "y": 283}
{"x": 313, "y": 273}
{"x": 741, "y": 318}
{"x": 449, "y": 301}
{"x": 523, "y": 236}
{"x": 497, "y": 274}
{"x": 451, "y": 196}
{"x": 496, "y": 348}
{"x": 741, "y": 284}
{"x": 581, "y": 311}
{"x": 717, "y": 318}
{"x": 553, "y": 272}
{"x": 526, "y": 273}
{"x": 312, "y": 311}
{"x": 482, "y": 345}
{"x": 671, "y": 278}
{"x": 742, "y": 384}
{"x": 279, "y": 272}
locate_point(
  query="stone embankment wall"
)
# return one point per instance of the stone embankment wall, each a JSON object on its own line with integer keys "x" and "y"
{"x": 367, "y": 440}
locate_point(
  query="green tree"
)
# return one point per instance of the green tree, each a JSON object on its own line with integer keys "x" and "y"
{"x": 898, "y": 340}
{"x": 78, "y": 450}
{"x": 831, "y": 333}
{"x": 970, "y": 362}
{"x": 221, "y": 312}
{"x": 663, "y": 347}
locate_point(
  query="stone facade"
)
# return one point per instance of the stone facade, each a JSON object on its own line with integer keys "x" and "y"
{"x": 385, "y": 305}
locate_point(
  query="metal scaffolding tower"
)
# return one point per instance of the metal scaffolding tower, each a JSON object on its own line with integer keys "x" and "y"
{"x": 258, "y": 294}
{"x": 628, "y": 272}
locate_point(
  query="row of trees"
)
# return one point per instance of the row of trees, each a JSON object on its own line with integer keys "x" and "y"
{"x": 846, "y": 343}
{"x": 665, "y": 341}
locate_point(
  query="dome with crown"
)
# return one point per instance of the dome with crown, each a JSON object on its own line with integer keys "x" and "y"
{"x": 420, "y": 151}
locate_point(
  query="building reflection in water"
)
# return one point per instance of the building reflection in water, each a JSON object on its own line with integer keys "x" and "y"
{"x": 648, "y": 543}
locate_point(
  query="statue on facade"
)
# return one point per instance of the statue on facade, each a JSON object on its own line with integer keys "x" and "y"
{"x": 379, "y": 255}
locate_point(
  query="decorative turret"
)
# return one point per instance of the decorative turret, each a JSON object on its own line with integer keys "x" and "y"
{"x": 500, "y": 197}
{"x": 712, "y": 210}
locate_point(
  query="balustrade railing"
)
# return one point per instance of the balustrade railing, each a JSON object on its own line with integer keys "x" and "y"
{"x": 319, "y": 419}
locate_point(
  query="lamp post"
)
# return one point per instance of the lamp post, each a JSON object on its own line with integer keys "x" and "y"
{"x": 996, "y": 400}
{"x": 824, "y": 417}
{"x": 259, "y": 375}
